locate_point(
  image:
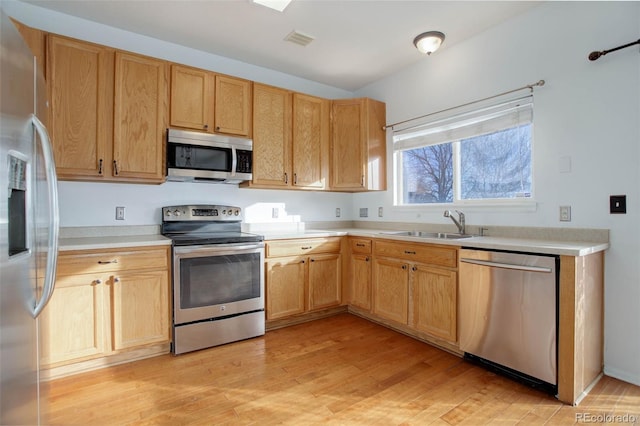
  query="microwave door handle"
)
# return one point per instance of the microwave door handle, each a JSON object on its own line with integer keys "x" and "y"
{"x": 234, "y": 161}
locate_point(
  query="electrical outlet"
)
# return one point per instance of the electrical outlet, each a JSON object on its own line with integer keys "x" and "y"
{"x": 337, "y": 211}
{"x": 380, "y": 212}
{"x": 274, "y": 213}
{"x": 119, "y": 213}
{"x": 364, "y": 212}
{"x": 565, "y": 213}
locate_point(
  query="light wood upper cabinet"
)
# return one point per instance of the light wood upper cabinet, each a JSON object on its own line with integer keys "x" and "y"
{"x": 205, "y": 101}
{"x": 80, "y": 82}
{"x": 233, "y": 113}
{"x": 192, "y": 94}
{"x": 108, "y": 112}
{"x": 290, "y": 139}
{"x": 310, "y": 142}
{"x": 358, "y": 145}
{"x": 140, "y": 119}
{"x": 271, "y": 137}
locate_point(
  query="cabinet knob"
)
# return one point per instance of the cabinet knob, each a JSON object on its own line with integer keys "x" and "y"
{"x": 116, "y": 280}
{"x": 366, "y": 259}
{"x": 98, "y": 281}
{"x": 302, "y": 261}
{"x": 313, "y": 260}
{"x": 206, "y": 126}
{"x": 404, "y": 267}
{"x": 414, "y": 269}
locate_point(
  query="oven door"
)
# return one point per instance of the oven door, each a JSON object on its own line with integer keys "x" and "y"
{"x": 219, "y": 280}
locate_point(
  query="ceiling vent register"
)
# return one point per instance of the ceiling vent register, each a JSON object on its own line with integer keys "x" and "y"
{"x": 299, "y": 38}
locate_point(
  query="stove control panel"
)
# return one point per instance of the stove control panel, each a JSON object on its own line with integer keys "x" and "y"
{"x": 202, "y": 213}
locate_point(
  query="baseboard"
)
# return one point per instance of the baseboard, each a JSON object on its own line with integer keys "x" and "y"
{"x": 103, "y": 362}
{"x": 625, "y": 376}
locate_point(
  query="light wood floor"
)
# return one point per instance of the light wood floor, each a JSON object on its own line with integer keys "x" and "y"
{"x": 341, "y": 370}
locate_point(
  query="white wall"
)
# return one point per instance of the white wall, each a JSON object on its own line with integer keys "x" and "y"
{"x": 588, "y": 111}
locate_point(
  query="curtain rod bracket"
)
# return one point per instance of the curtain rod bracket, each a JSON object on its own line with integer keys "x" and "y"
{"x": 539, "y": 83}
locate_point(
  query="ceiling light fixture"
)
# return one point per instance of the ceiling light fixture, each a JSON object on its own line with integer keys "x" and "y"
{"x": 279, "y": 5}
{"x": 428, "y": 42}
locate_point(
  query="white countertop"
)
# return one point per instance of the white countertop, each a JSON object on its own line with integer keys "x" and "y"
{"x": 106, "y": 242}
{"x": 495, "y": 243}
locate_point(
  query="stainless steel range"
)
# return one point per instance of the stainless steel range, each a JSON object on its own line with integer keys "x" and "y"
{"x": 218, "y": 276}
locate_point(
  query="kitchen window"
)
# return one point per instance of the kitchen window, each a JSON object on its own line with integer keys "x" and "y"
{"x": 482, "y": 156}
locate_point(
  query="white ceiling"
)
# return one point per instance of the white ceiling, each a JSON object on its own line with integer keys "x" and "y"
{"x": 356, "y": 42}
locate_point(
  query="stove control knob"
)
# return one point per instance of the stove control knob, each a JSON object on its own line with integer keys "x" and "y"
{"x": 167, "y": 213}
{"x": 177, "y": 213}
{"x": 224, "y": 212}
{"x": 229, "y": 212}
{"x": 236, "y": 212}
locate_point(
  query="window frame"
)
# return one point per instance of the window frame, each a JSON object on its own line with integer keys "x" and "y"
{"x": 497, "y": 204}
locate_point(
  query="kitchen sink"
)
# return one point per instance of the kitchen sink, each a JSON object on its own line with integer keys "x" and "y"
{"x": 425, "y": 234}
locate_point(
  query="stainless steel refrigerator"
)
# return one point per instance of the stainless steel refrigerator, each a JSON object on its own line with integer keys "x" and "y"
{"x": 28, "y": 226}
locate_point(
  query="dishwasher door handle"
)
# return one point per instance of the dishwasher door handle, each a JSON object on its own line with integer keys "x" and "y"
{"x": 506, "y": 265}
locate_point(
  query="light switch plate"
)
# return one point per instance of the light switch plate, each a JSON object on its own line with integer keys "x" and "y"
{"x": 364, "y": 212}
{"x": 565, "y": 213}
{"x": 119, "y": 213}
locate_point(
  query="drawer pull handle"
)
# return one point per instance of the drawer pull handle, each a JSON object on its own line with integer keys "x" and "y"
{"x": 306, "y": 247}
{"x": 409, "y": 252}
{"x": 106, "y": 262}
{"x": 359, "y": 245}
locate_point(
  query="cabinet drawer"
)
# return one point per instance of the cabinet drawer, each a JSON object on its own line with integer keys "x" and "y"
{"x": 424, "y": 253}
{"x": 302, "y": 247}
{"x": 360, "y": 245}
{"x": 99, "y": 261}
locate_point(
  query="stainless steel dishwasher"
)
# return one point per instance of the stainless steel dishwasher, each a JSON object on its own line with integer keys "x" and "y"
{"x": 508, "y": 314}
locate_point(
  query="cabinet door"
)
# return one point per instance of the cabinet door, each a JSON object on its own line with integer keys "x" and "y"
{"x": 434, "y": 295}
{"x": 72, "y": 326}
{"x": 391, "y": 290}
{"x": 271, "y": 136}
{"x": 140, "y": 118}
{"x": 324, "y": 281}
{"x": 232, "y": 106}
{"x": 310, "y": 141}
{"x": 140, "y": 311}
{"x": 285, "y": 284}
{"x": 80, "y": 81}
{"x": 348, "y": 150}
{"x": 361, "y": 281}
{"x": 192, "y": 95}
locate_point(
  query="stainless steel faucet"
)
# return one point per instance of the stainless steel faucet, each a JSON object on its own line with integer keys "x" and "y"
{"x": 460, "y": 223}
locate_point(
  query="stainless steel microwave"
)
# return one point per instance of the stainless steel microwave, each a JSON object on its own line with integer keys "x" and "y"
{"x": 206, "y": 157}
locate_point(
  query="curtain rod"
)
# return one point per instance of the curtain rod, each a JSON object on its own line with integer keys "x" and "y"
{"x": 528, "y": 86}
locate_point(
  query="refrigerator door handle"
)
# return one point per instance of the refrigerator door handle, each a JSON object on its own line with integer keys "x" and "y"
{"x": 54, "y": 218}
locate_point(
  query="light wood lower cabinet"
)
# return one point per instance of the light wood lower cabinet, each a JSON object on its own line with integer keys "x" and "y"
{"x": 302, "y": 275}
{"x": 360, "y": 273}
{"x": 105, "y": 302}
{"x": 417, "y": 285}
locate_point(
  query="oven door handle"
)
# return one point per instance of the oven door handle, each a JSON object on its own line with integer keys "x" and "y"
{"x": 217, "y": 249}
